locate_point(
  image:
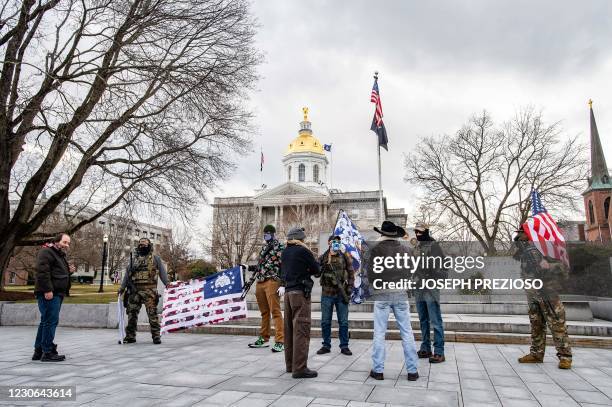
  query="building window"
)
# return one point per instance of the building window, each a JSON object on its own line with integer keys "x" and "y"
{"x": 302, "y": 173}
{"x": 354, "y": 214}
{"x": 12, "y": 277}
{"x": 607, "y": 208}
{"x": 315, "y": 173}
{"x": 289, "y": 173}
{"x": 591, "y": 213}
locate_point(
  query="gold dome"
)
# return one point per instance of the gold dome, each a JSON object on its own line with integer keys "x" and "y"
{"x": 305, "y": 141}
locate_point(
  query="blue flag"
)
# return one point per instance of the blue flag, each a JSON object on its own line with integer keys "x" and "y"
{"x": 223, "y": 283}
{"x": 327, "y": 147}
{"x": 353, "y": 244}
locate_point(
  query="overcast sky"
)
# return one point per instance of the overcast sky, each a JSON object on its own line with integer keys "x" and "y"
{"x": 439, "y": 62}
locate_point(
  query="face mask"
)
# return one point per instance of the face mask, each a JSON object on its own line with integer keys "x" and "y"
{"x": 335, "y": 246}
{"x": 144, "y": 249}
{"x": 268, "y": 236}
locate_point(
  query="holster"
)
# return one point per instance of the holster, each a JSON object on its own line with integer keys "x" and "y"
{"x": 308, "y": 284}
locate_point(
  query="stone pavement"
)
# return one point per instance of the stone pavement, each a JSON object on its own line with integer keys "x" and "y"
{"x": 220, "y": 370}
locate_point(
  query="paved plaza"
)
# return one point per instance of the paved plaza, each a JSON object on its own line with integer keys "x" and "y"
{"x": 220, "y": 370}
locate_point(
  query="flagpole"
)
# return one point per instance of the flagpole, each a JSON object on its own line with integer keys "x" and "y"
{"x": 380, "y": 195}
{"x": 260, "y": 167}
{"x": 331, "y": 167}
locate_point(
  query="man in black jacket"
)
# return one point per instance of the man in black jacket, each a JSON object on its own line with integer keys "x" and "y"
{"x": 52, "y": 283}
{"x": 298, "y": 264}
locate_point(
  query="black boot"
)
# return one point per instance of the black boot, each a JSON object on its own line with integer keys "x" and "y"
{"x": 54, "y": 351}
{"x": 50, "y": 357}
{"x": 156, "y": 341}
{"x": 304, "y": 374}
{"x": 129, "y": 340}
{"x": 37, "y": 354}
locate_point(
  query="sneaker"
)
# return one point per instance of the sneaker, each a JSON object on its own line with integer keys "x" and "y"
{"x": 531, "y": 358}
{"x": 278, "y": 347}
{"x": 50, "y": 357}
{"x": 259, "y": 343}
{"x": 437, "y": 359}
{"x": 157, "y": 341}
{"x": 376, "y": 376}
{"x": 565, "y": 364}
{"x": 346, "y": 351}
{"x": 413, "y": 376}
{"x": 304, "y": 374}
{"x": 129, "y": 340}
{"x": 323, "y": 350}
{"x": 37, "y": 354}
{"x": 423, "y": 354}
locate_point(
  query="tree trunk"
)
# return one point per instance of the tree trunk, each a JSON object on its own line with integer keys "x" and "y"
{"x": 6, "y": 251}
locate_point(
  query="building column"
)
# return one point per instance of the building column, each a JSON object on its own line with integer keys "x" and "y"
{"x": 275, "y": 216}
{"x": 280, "y": 222}
{"x": 325, "y": 213}
{"x": 320, "y": 213}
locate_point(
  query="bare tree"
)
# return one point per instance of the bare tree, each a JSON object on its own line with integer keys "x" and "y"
{"x": 481, "y": 178}
{"x": 234, "y": 235}
{"x": 307, "y": 216}
{"x": 176, "y": 255}
{"x": 109, "y": 101}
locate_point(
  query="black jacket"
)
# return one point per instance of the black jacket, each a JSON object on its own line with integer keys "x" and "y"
{"x": 52, "y": 272}
{"x": 297, "y": 264}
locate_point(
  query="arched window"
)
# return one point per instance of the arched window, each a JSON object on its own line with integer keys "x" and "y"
{"x": 289, "y": 173}
{"x": 591, "y": 213}
{"x": 315, "y": 173}
{"x": 302, "y": 173}
{"x": 607, "y": 208}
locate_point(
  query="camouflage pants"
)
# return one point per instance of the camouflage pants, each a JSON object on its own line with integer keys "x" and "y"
{"x": 549, "y": 311}
{"x": 148, "y": 297}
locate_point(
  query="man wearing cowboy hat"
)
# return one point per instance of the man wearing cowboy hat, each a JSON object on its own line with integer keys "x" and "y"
{"x": 428, "y": 300}
{"x": 386, "y": 300}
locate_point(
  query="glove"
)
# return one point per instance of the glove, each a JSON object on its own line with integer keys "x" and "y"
{"x": 280, "y": 291}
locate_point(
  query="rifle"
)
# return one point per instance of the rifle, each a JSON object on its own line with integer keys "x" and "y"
{"x": 247, "y": 286}
{"x": 255, "y": 270}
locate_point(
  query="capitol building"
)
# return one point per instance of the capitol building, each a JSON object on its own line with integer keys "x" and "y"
{"x": 303, "y": 199}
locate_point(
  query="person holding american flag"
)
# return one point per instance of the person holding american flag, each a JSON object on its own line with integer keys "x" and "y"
{"x": 540, "y": 248}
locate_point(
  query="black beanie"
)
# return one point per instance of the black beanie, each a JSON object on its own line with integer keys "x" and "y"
{"x": 269, "y": 229}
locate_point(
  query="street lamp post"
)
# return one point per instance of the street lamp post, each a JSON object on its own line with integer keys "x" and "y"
{"x": 105, "y": 240}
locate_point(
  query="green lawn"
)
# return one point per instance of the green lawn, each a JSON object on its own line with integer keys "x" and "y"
{"x": 79, "y": 293}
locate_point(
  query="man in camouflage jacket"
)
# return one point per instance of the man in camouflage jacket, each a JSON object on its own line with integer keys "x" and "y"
{"x": 337, "y": 277}
{"x": 268, "y": 290}
{"x": 544, "y": 305}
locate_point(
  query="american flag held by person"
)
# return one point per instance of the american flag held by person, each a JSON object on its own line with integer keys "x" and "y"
{"x": 203, "y": 301}
{"x": 543, "y": 231}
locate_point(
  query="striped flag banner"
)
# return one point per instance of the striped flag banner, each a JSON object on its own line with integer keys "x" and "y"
{"x": 204, "y": 301}
{"x": 543, "y": 231}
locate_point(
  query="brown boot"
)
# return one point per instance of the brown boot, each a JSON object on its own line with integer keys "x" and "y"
{"x": 531, "y": 358}
{"x": 565, "y": 364}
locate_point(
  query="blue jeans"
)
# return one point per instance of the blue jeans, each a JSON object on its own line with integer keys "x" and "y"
{"x": 49, "y": 317}
{"x": 327, "y": 309}
{"x": 431, "y": 317}
{"x": 401, "y": 310}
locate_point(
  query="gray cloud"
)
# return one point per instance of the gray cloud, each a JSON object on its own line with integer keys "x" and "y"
{"x": 440, "y": 61}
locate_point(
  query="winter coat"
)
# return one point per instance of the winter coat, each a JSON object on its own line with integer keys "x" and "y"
{"x": 52, "y": 272}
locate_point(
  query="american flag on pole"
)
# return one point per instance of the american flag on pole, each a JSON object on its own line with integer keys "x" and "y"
{"x": 203, "y": 301}
{"x": 378, "y": 126}
{"x": 543, "y": 231}
{"x": 353, "y": 243}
